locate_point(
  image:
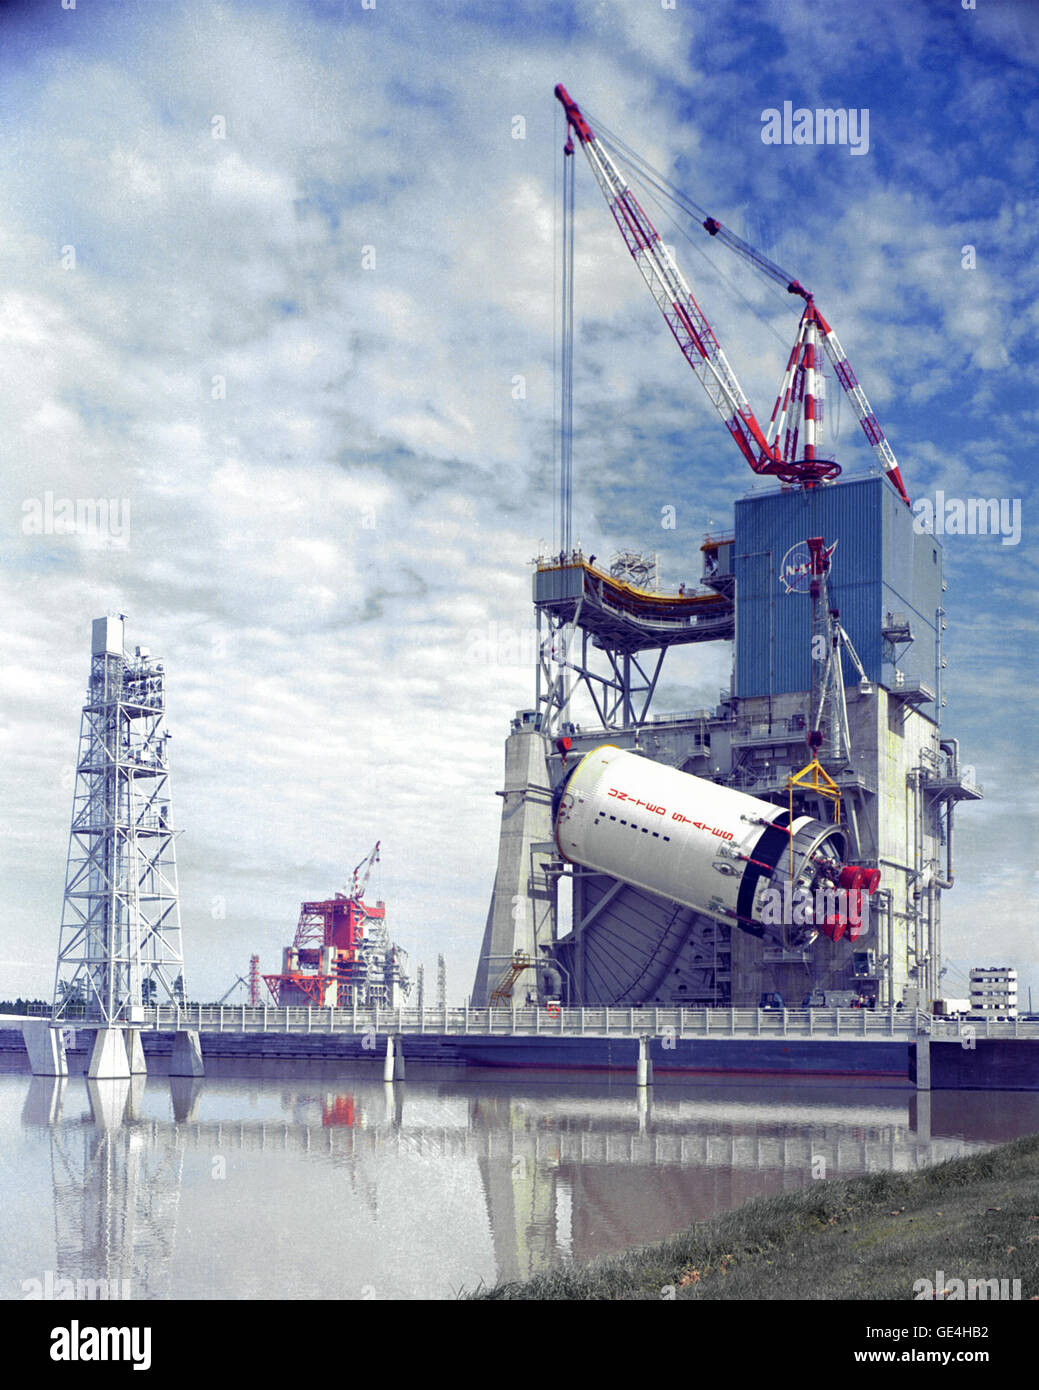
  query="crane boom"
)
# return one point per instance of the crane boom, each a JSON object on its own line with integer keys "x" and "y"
{"x": 240, "y": 981}
{"x": 358, "y": 886}
{"x": 675, "y": 300}
{"x": 775, "y": 452}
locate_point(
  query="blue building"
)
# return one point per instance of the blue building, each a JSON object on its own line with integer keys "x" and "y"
{"x": 885, "y": 577}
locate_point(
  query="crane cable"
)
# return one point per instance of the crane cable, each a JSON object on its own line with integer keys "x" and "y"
{"x": 567, "y": 380}
{"x": 555, "y": 332}
{"x": 652, "y": 182}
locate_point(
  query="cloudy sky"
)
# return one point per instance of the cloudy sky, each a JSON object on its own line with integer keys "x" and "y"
{"x": 271, "y": 271}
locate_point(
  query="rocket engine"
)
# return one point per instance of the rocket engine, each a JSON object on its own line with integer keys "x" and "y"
{"x": 711, "y": 848}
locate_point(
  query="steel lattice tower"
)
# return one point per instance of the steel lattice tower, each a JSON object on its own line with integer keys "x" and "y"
{"x": 120, "y": 946}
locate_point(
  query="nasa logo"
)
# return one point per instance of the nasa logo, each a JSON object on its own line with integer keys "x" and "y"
{"x": 795, "y": 569}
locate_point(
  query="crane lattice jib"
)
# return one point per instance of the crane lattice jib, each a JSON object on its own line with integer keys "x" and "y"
{"x": 838, "y": 357}
{"x": 358, "y": 885}
{"x": 675, "y": 300}
{"x": 782, "y": 429}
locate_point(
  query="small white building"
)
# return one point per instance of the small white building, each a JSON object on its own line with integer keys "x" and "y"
{"x": 993, "y": 992}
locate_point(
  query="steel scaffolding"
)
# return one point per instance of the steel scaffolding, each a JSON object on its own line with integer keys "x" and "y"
{"x": 120, "y": 946}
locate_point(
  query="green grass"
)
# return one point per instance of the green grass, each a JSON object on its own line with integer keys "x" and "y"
{"x": 863, "y": 1238}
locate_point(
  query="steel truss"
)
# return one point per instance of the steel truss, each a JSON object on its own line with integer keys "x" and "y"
{"x": 120, "y": 945}
{"x": 621, "y": 695}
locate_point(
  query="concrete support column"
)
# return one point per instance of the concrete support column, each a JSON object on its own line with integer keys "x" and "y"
{"x": 187, "y": 1055}
{"x": 135, "y": 1052}
{"x": 45, "y": 1048}
{"x": 923, "y": 1062}
{"x": 644, "y": 1066}
{"x": 108, "y": 1060}
{"x": 398, "y": 1059}
{"x": 522, "y": 900}
{"x": 388, "y": 1063}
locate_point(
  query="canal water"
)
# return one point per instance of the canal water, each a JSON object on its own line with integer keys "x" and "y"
{"x": 317, "y": 1180}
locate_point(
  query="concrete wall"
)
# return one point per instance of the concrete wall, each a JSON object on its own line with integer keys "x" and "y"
{"x": 522, "y": 910}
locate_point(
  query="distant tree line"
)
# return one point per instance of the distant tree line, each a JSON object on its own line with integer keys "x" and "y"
{"x": 74, "y": 1005}
{"x": 23, "y": 1006}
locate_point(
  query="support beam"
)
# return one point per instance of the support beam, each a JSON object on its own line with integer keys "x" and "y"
{"x": 398, "y": 1058}
{"x": 187, "y": 1055}
{"x": 520, "y": 917}
{"x": 923, "y": 1062}
{"x": 644, "y": 1066}
{"x": 135, "y": 1052}
{"x": 45, "y": 1048}
{"x": 388, "y": 1063}
{"x": 108, "y": 1060}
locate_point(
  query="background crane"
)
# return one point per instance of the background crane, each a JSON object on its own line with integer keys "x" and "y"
{"x": 241, "y": 980}
{"x": 358, "y": 885}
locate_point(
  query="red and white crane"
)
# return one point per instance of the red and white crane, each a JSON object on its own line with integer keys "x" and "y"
{"x": 792, "y": 427}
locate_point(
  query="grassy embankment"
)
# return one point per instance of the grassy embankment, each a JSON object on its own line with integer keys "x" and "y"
{"x": 868, "y": 1237}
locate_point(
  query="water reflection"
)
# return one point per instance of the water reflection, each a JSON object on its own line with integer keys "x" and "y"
{"x": 395, "y": 1190}
{"x": 116, "y": 1188}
